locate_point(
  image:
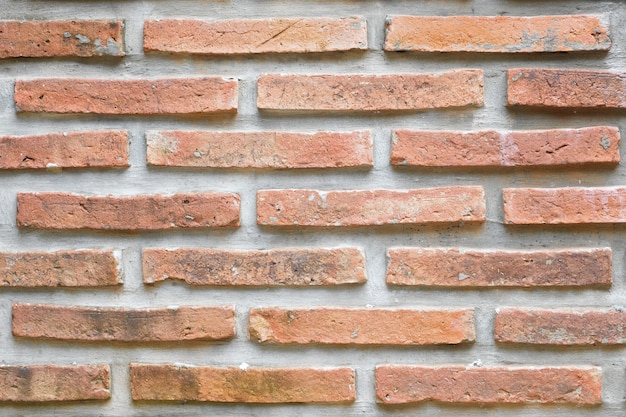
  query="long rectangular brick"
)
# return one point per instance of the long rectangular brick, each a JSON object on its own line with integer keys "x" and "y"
{"x": 130, "y": 213}
{"x": 233, "y": 384}
{"x": 454, "y": 267}
{"x": 85, "y": 268}
{"x": 342, "y": 326}
{"x": 572, "y": 205}
{"x": 43, "y": 383}
{"x": 170, "y": 324}
{"x": 65, "y": 150}
{"x": 276, "y": 150}
{"x": 560, "y": 327}
{"x": 82, "y": 38}
{"x": 146, "y": 97}
{"x": 255, "y": 36}
{"x": 370, "y": 207}
{"x": 566, "y": 88}
{"x": 364, "y": 92}
{"x": 591, "y": 145}
{"x": 399, "y": 384}
{"x": 277, "y": 267}
{"x": 496, "y": 34}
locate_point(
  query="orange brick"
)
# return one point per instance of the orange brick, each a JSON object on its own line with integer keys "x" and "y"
{"x": 566, "y": 88}
{"x": 260, "y": 149}
{"x": 65, "y": 150}
{"x": 560, "y": 327}
{"x": 461, "y": 384}
{"x": 592, "y": 145}
{"x": 43, "y": 383}
{"x": 86, "y": 268}
{"x": 361, "y": 92}
{"x": 361, "y": 326}
{"x": 170, "y": 324}
{"x": 570, "y": 205}
{"x": 496, "y": 34}
{"x": 277, "y": 267}
{"x": 370, "y": 207}
{"x": 131, "y": 213}
{"x": 82, "y": 38}
{"x": 244, "y": 36}
{"x": 471, "y": 268}
{"x": 148, "y": 97}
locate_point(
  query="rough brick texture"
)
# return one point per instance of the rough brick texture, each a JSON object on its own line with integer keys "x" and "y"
{"x": 561, "y": 327}
{"x": 170, "y": 324}
{"x": 472, "y": 268}
{"x": 370, "y": 207}
{"x": 255, "y": 36}
{"x": 496, "y": 34}
{"x": 276, "y": 150}
{"x": 361, "y": 326}
{"x": 148, "y": 97}
{"x": 592, "y": 145}
{"x": 65, "y": 150}
{"x": 131, "y": 213}
{"x": 360, "y": 92}
{"x": 250, "y": 385}
{"x": 277, "y": 267}
{"x": 461, "y": 384}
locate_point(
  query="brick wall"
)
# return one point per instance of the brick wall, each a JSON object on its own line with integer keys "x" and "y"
{"x": 323, "y": 208}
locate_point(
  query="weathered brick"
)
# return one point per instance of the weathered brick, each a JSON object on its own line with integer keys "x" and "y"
{"x": 43, "y": 383}
{"x": 370, "y": 207}
{"x": 163, "y": 96}
{"x": 65, "y": 150}
{"x": 123, "y": 325}
{"x": 566, "y": 88}
{"x": 570, "y": 205}
{"x": 461, "y": 384}
{"x": 343, "y": 326}
{"x": 560, "y": 327}
{"x": 592, "y": 145}
{"x": 131, "y": 213}
{"x": 496, "y": 34}
{"x": 250, "y": 385}
{"x": 363, "y": 92}
{"x": 82, "y": 38}
{"x": 86, "y": 268}
{"x": 471, "y": 268}
{"x": 277, "y": 267}
{"x": 246, "y": 36}
{"x": 260, "y": 149}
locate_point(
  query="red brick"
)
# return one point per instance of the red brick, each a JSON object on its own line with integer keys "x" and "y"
{"x": 361, "y": 326}
{"x": 82, "y": 38}
{"x": 65, "y": 150}
{"x": 592, "y": 145}
{"x": 170, "y": 324}
{"x": 364, "y": 92}
{"x": 43, "y": 383}
{"x": 560, "y": 327}
{"x": 471, "y": 268}
{"x": 570, "y": 205}
{"x": 244, "y": 36}
{"x": 496, "y": 34}
{"x": 164, "y": 96}
{"x": 131, "y": 213}
{"x": 277, "y": 267}
{"x": 461, "y": 384}
{"x": 260, "y": 149}
{"x": 250, "y": 385}
{"x": 370, "y": 207}
{"x": 86, "y": 268}
{"x": 566, "y": 88}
